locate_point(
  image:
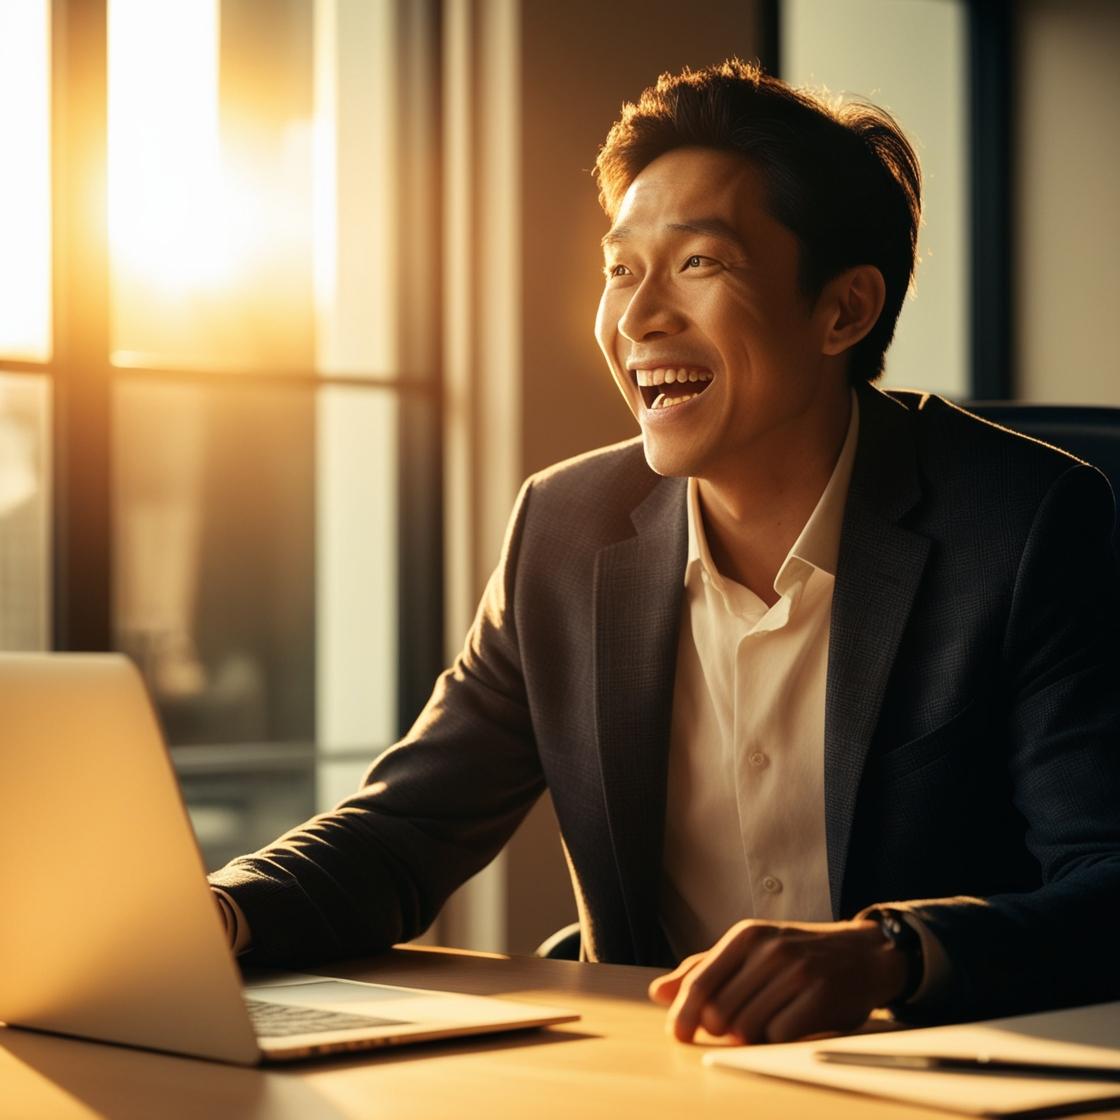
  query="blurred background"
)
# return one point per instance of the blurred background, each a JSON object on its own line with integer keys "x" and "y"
{"x": 294, "y": 293}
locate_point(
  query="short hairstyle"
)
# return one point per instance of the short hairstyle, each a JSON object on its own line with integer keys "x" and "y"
{"x": 845, "y": 181}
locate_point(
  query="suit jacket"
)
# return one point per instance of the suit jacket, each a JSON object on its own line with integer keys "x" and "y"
{"x": 972, "y": 718}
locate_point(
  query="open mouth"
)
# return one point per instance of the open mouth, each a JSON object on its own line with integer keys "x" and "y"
{"x": 667, "y": 387}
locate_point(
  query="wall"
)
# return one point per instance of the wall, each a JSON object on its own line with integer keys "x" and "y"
{"x": 575, "y": 64}
{"x": 1067, "y": 219}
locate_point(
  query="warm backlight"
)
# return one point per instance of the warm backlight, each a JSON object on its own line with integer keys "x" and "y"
{"x": 25, "y": 181}
{"x": 168, "y": 204}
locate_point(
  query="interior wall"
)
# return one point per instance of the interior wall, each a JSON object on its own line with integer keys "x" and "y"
{"x": 1067, "y": 220}
{"x": 579, "y": 61}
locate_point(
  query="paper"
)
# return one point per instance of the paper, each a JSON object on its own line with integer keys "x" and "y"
{"x": 1083, "y": 1036}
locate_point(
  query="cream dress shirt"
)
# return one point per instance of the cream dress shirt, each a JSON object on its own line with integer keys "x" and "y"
{"x": 745, "y": 833}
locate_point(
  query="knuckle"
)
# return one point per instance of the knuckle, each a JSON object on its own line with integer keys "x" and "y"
{"x": 802, "y": 972}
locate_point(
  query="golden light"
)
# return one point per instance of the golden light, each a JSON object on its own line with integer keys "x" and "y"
{"x": 209, "y": 207}
{"x": 167, "y": 210}
{"x": 25, "y": 181}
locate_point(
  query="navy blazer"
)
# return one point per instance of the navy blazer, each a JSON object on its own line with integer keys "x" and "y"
{"x": 972, "y": 718}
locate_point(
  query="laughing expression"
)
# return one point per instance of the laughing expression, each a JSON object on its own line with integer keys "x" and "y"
{"x": 713, "y": 345}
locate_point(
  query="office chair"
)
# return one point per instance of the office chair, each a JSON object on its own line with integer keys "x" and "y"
{"x": 563, "y": 945}
{"x": 1091, "y": 433}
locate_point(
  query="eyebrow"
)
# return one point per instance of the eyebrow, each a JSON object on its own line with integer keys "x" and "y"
{"x": 708, "y": 227}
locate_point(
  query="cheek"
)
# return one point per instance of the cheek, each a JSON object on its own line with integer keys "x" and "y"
{"x": 606, "y": 326}
{"x": 606, "y": 335}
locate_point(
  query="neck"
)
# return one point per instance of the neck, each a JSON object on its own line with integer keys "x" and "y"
{"x": 755, "y": 510}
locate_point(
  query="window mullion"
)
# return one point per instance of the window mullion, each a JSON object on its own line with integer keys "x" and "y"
{"x": 82, "y": 403}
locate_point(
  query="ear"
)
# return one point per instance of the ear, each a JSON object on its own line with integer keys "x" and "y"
{"x": 852, "y": 303}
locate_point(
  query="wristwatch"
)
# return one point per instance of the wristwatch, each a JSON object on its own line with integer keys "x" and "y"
{"x": 903, "y": 938}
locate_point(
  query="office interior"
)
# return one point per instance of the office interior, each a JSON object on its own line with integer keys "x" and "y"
{"x": 295, "y": 293}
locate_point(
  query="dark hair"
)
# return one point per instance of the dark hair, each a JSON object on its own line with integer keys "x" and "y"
{"x": 844, "y": 180}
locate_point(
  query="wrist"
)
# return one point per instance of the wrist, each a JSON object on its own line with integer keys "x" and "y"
{"x": 902, "y": 958}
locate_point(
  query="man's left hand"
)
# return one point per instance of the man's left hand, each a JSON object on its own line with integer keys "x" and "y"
{"x": 778, "y": 981}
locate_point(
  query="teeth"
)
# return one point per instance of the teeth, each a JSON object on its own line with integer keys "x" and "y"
{"x": 647, "y": 378}
{"x": 661, "y": 402}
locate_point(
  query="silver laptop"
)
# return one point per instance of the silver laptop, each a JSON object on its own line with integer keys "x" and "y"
{"x": 110, "y": 931}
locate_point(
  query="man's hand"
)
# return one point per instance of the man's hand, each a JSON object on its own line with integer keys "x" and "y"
{"x": 777, "y": 981}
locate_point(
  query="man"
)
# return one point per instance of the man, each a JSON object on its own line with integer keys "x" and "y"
{"x": 823, "y": 681}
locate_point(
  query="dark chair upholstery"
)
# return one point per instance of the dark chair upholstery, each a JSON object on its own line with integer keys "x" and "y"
{"x": 1090, "y": 432}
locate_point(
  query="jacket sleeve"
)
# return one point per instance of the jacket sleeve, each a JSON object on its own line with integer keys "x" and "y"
{"x": 433, "y": 810}
{"x": 1055, "y": 945}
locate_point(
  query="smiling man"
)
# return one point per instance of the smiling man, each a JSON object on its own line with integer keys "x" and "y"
{"x": 823, "y": 680}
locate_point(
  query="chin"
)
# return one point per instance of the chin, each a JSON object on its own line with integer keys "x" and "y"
{"x": 665, "y": 461}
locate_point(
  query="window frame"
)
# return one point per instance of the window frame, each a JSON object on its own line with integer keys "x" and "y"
{"x": 82, "y": 377}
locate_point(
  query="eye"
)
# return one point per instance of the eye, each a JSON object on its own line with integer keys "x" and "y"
{"x": 613, "y": 270}
{"x": 697, "y": 261}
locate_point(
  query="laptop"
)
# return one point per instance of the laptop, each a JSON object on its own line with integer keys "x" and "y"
{"x": 110, "y": 931}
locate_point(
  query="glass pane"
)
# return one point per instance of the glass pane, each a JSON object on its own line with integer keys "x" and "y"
{"x": 252, "y": 221}
{"x": 25, "y": 510}
{"x": 912, "y": 60}
{"x": 210, "y": 182}
{"x": 25, "y": 182}
{"x": 356, "y": 123}
{"x": 254, "y": 561}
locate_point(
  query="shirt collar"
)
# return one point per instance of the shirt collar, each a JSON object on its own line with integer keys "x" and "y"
{"x": 818, "y": 544}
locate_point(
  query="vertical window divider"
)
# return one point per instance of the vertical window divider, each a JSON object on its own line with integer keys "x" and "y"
{"x": 81, "y": 381}
{"x": 992, "y": 331}
{"x": 420, "y": 425}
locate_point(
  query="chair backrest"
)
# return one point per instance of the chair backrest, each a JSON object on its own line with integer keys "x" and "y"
{"x": 1091, "y": 433}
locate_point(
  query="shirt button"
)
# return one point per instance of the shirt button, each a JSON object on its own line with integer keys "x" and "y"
{"x": 758, "y": 759}
{"x": 771, "y": 885}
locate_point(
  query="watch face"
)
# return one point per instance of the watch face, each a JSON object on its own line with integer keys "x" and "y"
{"x": 904, "y": 938}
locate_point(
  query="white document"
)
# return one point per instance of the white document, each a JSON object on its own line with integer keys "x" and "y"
{"x": 1084, "y": 1036}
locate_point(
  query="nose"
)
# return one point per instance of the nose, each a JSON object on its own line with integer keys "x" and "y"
{"x": 651, "y": 313}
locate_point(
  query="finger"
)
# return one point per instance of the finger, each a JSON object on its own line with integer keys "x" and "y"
{"x": 707, "y": 978}
{"x": 750, "y": 1023}
{"x": 663, "y": 989}
{"x": 811, "y": 1011}
{"x": 755, "y": 972}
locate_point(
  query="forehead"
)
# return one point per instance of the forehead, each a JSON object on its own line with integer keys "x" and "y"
{"x": 687, "y": 182}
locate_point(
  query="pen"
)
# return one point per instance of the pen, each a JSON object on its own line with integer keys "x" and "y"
{"x": 979, "y": 1064}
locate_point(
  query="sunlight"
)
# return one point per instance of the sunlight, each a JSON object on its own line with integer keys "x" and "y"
{"x": 25, "y": 182}
{"x": 167, "y": 209}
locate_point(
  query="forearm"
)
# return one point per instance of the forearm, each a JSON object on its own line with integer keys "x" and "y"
{"x": 1016, "y": 953}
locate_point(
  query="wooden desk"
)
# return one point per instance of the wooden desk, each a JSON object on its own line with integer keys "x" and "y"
{"x": 616, "y": 1063}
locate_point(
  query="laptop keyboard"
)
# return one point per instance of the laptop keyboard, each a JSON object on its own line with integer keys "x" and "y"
{"x": 278, "y": 1020}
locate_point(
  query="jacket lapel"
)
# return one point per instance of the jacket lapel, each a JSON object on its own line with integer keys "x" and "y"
{"x": 879, "y": 568}
{"x": 639, "y": 582}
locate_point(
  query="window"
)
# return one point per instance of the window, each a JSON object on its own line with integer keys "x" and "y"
{"x": 911, "y": 59}
{"x": 219, "y": 391}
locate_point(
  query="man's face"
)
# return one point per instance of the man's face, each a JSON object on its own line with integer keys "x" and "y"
{"x": 701, "y": 288}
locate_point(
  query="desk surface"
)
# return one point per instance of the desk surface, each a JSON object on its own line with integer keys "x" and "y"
{"x": 616, "y": 1062}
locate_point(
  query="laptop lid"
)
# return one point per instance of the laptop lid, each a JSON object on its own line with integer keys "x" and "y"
{"x": 110, "y": 930}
